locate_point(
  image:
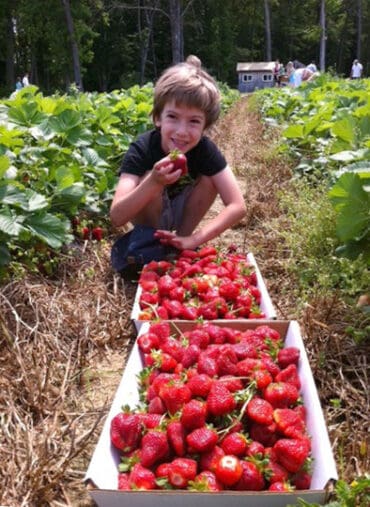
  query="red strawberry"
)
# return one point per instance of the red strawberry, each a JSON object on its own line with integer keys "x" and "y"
{"x": 156, "y": 406}
{"x": 208, "y": 460}
{"x": 85, "y": 231}
{"x": 290, "y": 375}
{"x": 207, "y": 365}
{"x": 281, "y": 394}
{"x": 302, "y": 480}
{"x": 219, "y": 400}
{"x": 179, "y": 161}
{"x": 260, "y": 411}
{"x": 251, "y": 478}
{"x": 292, "y": 453}
{"x": 176, "y": 436}
{"x": 190, "y": 356}
{"x": 199, "y": 337}
{"x": 194, "y": 414}
{"x": 265, "y": 434}
{"x": 200, "y": 384}
{"x": 154, "y": 448}
{"x": 276, "y": 472}
{"x": 150, "y": 421}
{"x": 288, "y": 355}
{"x": 174, "y": 308}
{"x": 97, "y": 233}
{"x": 175, "y": 394}
{"x": 206, "y": 481}
{"x": 161, "y": 329}
{"x": 141, "y": 478}
{"x": 123, "y": 482}
{"x": 235, "y": 443}
{"x": 228, "y": 470}
{"x": 148, "y": 299}
{"x": 255, "y": 448}
{"x": 174, "y": 348}
{"x": 289, "y": 422}
{"x": 181, "y": 471}
{"x": 125, "y": 431}
{"x": 165, "y": 285}
{"x": 229, "y": 290}
{"x": 161, "y": 360}
{"x": 148, "y": 341}
{"x": 202, "y": 439}
{"x": 206, "y": 251}
{"x": 162, "y": 470}
{"x": 280, "y": 486}
{"x": 190, "y": 313}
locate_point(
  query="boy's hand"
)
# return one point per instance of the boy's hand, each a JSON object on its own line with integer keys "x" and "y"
{"x": 164, "y": 171}
{"x": 172, "y": 239}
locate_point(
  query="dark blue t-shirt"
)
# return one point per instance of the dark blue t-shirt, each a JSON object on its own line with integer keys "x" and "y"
{"x": 204, "y": 159}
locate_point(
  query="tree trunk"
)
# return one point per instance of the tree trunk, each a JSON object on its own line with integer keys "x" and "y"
{"x": 267, "y": 30}
{"x": 146, "y": 36}
{"x": 75, "y": 53}
{"x": 323, "y": 36}
{"x": 10, "y": 74}
{"x": 359, "y": 29}
{"x": 176, "y": 31}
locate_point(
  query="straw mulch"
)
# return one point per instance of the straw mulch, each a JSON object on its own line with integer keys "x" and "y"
{"x": 64, "y": 342}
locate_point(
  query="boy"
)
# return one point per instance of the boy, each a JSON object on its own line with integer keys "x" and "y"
{"x": 150, "y": 192}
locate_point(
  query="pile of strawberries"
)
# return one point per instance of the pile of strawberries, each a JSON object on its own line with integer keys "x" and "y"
{"x": 200, "y": 284}
{"x": 220, "y": 410}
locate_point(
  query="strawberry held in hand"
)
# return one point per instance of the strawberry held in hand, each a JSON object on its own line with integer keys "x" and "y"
{"x": 179, "y": 161}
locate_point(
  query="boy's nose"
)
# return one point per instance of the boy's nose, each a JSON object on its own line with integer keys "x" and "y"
{"x": 181, "y": 128}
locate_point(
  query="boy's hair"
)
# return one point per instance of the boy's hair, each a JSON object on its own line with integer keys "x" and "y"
{"x": 188, "y": 84}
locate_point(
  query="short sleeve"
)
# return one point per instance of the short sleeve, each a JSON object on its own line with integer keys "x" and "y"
{"x": 142, "y": 154}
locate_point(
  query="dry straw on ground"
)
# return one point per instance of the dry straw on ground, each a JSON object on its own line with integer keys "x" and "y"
{"x": 64, "y": 343}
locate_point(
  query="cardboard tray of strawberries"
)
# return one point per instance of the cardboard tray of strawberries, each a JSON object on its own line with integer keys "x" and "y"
{"x": 204, "y": 285}
{"x": 250, "y": 379}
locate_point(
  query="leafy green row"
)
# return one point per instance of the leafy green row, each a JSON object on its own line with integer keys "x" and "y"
{"x": 326, "y": 126}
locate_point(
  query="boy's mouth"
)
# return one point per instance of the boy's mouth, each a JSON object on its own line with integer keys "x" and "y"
{"x": 180, "y": 145}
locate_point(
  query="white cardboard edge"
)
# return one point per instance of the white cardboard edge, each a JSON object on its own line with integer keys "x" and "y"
{"x": 102, "y": 471}
{"x": 266, "y": 304}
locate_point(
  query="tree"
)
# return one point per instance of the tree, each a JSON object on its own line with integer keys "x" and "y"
{"x": 267, "y": 30}
{"x": 359, "y": 28}
{"x": 322, "y": 36}
{"x": 74, "y": 46}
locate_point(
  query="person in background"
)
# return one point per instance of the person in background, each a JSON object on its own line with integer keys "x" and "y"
{"x": 356, "y": 70}
{"x": 277, "y": 72}
{"x": 297, "y": 76}
{"x": 25, "y": 80}
{"x": 151, "y": 192}
{"x": 312, "y": 67}
{"x": 18, "y": 84}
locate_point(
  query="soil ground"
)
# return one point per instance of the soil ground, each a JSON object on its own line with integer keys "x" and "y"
{"x": 64, "y": 342}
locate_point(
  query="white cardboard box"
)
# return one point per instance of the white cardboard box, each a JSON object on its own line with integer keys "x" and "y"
{"x": 101, "y": 476}
{"x": 266, "y": 304}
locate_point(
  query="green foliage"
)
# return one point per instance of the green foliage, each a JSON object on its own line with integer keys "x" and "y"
{"x": 326, "y": 128}
{"x": 310, "y": 236}
{"x": 356, "y": 494}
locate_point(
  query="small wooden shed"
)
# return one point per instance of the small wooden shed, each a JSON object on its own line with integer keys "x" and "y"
{"x": 255, "y": 75}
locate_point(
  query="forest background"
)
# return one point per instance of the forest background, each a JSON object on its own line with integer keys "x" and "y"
{"x": 102, "y": 45}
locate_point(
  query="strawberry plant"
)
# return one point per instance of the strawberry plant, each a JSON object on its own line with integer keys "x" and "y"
{"x": 326, "y": 130}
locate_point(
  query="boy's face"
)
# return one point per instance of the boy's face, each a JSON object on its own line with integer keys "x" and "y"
{"x": 181, "y": 127}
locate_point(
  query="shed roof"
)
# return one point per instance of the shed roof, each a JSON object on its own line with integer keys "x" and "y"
{"x": 255, "y": 66}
